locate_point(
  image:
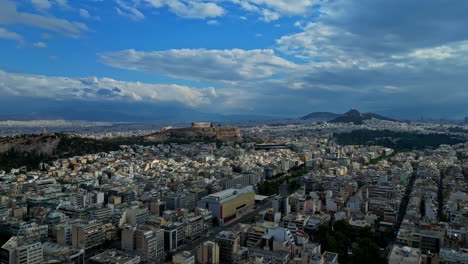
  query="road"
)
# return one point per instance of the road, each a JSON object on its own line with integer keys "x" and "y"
{"x": 401, "y": 213}
{"x": 216, "y": 229}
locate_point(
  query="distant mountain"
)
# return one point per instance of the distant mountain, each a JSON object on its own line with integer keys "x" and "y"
{"x": 354, "y": 116}
{"x": 321, "y": 115}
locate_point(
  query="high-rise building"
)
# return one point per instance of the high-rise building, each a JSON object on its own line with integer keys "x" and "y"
{"x": 208, "y": 253}
{"x": 19, "y": 251}
{"x": 229, "y": 243}
{"x": 87, "y": 235}
{"x": 174, "y": 234}
{"x": 194, "y": 227}
{"x": 185, "y": 200}
{"x": 145, "y": 241}
{"x": 137, "y": 216}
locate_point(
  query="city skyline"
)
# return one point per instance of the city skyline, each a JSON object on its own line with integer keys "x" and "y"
{"x": 183, "y": 59}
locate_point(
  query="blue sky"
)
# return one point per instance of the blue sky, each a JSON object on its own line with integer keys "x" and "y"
{"x": 249, "y": 58}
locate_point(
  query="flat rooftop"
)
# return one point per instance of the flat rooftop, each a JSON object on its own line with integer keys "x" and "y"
{"x": 115, "y": 256}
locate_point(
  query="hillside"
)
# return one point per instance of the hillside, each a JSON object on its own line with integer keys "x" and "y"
{"x": 30, "y": 150}
{"x": 220, "y": 133}
{"x": 354, "y": 116}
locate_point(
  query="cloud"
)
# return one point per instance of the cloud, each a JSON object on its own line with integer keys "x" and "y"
{"x": 62, "y": 3}
{"x": 190, "y": 8}
{"x": 201, "y": 64}
{"x": 41, "y": 4}
{"x": 411, "y": 56}
{"x": 268, "y": 10}
{"x": 128, "y": 11}
{"x": 269, "y": 15}
{"x": 40, "y": 45}
{"x": 46, "y": 36}
{"x": 212, "y": 22}
{"x": 5, "y": 34}
{"x": 101, "y": 89}
{"x": 286, "y": 7}
{"x": 271, "y": 10}
{"x": 84, "y": 13}
{"x": 9, "y": 15}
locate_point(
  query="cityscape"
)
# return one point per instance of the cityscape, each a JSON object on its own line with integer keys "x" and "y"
{"x": 259, "y": 194}
{"x": 233, "y": 132}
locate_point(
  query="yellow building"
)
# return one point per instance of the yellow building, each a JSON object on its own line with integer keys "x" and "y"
{"x": 230, "y": 204}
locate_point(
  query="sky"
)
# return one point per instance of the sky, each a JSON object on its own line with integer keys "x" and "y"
{"x": 232, "y": 59}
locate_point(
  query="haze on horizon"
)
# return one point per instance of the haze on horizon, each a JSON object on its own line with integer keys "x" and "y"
{"x": 181, "y": 59}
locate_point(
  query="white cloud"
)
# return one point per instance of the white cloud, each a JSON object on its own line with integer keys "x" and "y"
{"x": 101, "y": 89}
{"x": 391, "y": 88}
{"x": 268, "y": 10}
{"x": 5, "y": 34}
{"x": 40, "y": 45}
{"x": 229, "y": 66}
{"x": 212, "y": 22}
{"x": 269, "y": 15}
{"x": 287, "y": 7}
{"x": 84, "y": 13}
{"x": 271, "y": 10}
{"x": 246, "y": 5}
{"x": 9, "y": 15}
{"x": 190, "y": 8}
{"x": 128, "y": 11}
{"x": 437, "y": 53}
{"x": 62, "y": 3}
{"x": 41, "y": 4}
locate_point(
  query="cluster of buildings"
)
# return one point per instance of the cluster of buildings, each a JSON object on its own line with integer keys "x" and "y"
{"x": 199, "y": 203}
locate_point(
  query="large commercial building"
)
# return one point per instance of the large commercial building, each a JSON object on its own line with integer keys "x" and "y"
{"x": 230, "y": 204}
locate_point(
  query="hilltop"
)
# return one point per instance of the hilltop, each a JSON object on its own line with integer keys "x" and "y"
{"x": 356, "y": 117}
{"x": 31, "y": 150}
{"x": 220, "y": 133}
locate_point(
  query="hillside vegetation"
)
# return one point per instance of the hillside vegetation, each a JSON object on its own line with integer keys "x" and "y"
{"x": 399, "y": 141}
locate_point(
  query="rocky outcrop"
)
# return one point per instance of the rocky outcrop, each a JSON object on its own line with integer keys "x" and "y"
{"x": 42, "y": 144}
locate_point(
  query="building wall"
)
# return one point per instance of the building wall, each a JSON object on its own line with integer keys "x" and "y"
{"x": 237, "y": 205}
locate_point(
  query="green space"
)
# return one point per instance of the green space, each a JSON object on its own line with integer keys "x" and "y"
{"x": 353, "y": 245}
{"x": 271, "y": 187}
{"x": 399, "y": 141}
